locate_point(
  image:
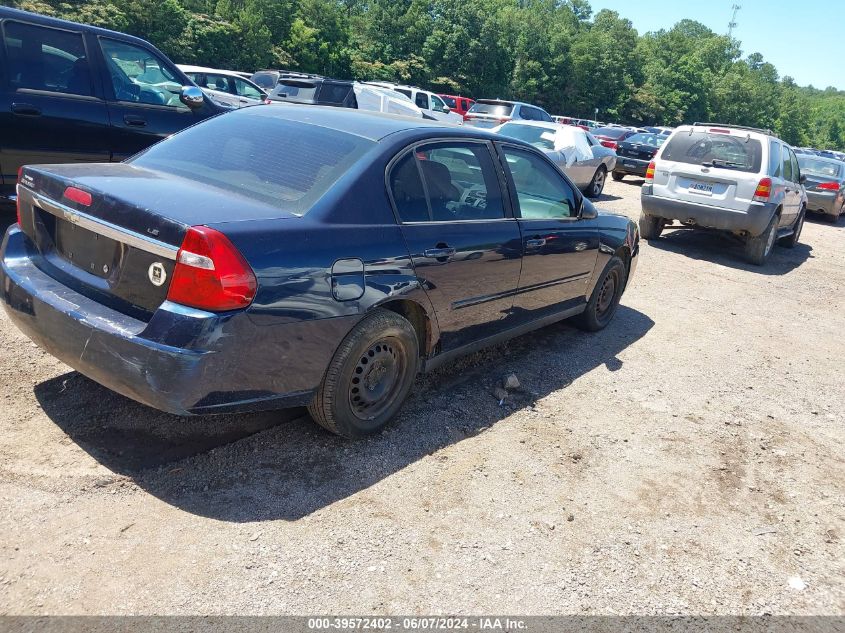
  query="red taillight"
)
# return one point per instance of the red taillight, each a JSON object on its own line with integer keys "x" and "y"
{"x": 828, "y": 186}
{"x": 763, "y": 191}
{"x": 78, "y": 196}
{"x": 210, "y": 273}
{"x": 611, "y": 144}
{"x": 18, "y": 196}
{"x": 649, "y": 172}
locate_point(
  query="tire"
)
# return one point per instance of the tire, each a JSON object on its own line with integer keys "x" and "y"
{"x": 605, "y": 298}
{"x": 758, "y": 248}
{"x": 617, "y": 175}
{"x": 792, "y": 240}
{"x": 369, "y": 376}
{"x": 650, "y": 226}
{"x": 596, "y": 185}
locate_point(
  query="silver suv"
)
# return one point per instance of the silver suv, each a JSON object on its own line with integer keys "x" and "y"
{"x": 742, "y": 180}
{"x": 489, "y": 113}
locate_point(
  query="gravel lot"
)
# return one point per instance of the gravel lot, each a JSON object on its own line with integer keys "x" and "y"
{"x": 688, "y": 459}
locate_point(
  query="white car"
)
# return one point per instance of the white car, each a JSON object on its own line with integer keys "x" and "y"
{"x": 578, "y": 154}
{"x": 225, "y": 87}
{"x": 430, "y": 103}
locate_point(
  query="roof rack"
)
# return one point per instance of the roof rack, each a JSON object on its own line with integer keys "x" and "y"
{"x": 736, "y": 127}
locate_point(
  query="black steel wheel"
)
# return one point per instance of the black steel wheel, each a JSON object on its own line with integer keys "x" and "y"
{"x": 605, "y": 297}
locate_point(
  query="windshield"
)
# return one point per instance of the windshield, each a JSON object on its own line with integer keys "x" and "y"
{"x": 722, "y": 150}
{"x": 816, "y": 167}
{"x": 540, "y": 137}
{"x": 655, "y": 140}
{"x": 259, "y": 155}
{"x": 495, "y": 109}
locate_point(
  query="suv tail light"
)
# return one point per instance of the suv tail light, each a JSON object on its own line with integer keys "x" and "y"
{"x": 649, "y": 172}
{"x": 210, "y": 273}
{"x": 828, "y": 186}
{"x": 763, "y": 191}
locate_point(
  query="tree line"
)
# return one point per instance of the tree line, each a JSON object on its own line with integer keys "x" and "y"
{"x": 555, "y": 53}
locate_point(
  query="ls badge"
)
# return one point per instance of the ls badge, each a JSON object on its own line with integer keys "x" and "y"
{"x": 157, "y": 274}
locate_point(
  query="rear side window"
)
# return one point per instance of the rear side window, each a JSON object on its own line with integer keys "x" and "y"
{"x": 334, "y": 93}
{"x": 447, "y": 181}
{"x": 775, "y": 161}
{"x": 41, "y": 58}
{"x": 787, "y": 165}
{"x": 722, "y": 150}
{"x": 285, "y": 164}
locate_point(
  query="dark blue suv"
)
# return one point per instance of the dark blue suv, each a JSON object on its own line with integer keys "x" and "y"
{"x": 298, "y": 255}
{"x": 71, "y": 92}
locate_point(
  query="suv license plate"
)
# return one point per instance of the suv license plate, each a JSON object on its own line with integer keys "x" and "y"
{"x": 704, "y": 188}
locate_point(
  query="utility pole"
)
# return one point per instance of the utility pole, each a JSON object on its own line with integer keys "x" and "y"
{"x": 732, "y": 24}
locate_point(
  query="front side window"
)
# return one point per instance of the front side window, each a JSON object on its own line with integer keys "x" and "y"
{"x": 540, "y": 189}
{"x": 796, "y": 170}
{"x": 437, "y": 104}
{"x": 139, "y": 76}
{"x": 221, "y": 83}
{"x": 40, "y": 58}
{"x": 245, "y": 89}
{"x": 444, "y": 182}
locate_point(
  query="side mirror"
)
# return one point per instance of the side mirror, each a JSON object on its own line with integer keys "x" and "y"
{"x": 447, "y": 109}
{"x": 192, "y": 97}
{"x": 802, "y": 179}
{"x": 588, "y": 211}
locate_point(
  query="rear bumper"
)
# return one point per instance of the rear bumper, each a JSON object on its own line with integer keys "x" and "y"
{"x": 632, "y": 166}
{"x": 752, "y": 220}
{"x": 828, "y": 202}
{"x": 183, "y": 361}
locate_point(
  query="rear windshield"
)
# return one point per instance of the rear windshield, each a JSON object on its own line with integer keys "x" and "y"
{"x": 261, "y": 156}
{"x": 295, "y": 90}
{"x": 816, "y": 167}
{"x": 655, "y": 140}
{"x": 265, "y": 80}
{"x": 722, "y": 150}
{"x": 609, "y": 132}
{"x": 496, "y": 109}
{"x": 539, "y": 137}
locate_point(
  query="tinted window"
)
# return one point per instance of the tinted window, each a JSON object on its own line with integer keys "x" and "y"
{"x": 459, "y": 179}
{"x": 139, "y": 76}
{"x": 541, "y": 190}
{"x": 493, "y": 109}
{"x": 258, "y": 155}
{"x": 450, "y": 102}
{"x": 421, "y": 99}
{"x": 539, "y": 137}
{"x": 796, "y": 170}
{"x": 731, "y": 152}
{"x": 334, "y": 93}
{"x": 818, "y": 167}
{"x": 609, "y": 132}
{"x": 787, "y": 165}
{"x": 46, "y": 59}
{"x": 266, "y": 80}
{"x": 221, "y": 83}
{"x": 296, "y": 90}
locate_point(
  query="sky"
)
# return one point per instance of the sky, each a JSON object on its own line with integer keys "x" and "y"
{"x": 802, "y": 39}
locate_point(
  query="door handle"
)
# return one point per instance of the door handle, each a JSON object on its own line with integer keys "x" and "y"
{"x": 135, "y": 121}
{"x": 25, "y": 109}
{"x": 441, "y": 252}
{"x": 537, "y": 242}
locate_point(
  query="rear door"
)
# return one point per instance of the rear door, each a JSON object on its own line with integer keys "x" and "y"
{"x": 791, "y": 187}
{"x": 718, "y": 167}
{"x": 463, "y": 240}
{"x": 142, "y": 93}
{"x": 51, "y": 106}
{"x": 559, "y": 248}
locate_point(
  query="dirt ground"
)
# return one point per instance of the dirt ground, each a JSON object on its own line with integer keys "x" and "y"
{"x": 688, "y": 459}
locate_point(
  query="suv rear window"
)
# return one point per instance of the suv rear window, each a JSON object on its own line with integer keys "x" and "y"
{"x": 732, "y": 152}
{"x": 266, "y": 80}
{"x": 496, "y": 109}
{"x": 258, "y": 155}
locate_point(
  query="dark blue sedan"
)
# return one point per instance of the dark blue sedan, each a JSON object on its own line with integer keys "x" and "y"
{"x": 276, "y": 257}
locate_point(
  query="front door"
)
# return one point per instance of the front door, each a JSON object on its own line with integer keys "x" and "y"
{"x": 144, "y": 104}
{"x": 559, "y": 248}
{"x": 51, "y": 110}
{"x": 466, "y": 247}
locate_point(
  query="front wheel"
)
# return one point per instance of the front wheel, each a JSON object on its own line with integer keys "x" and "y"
{"x": 596, "y": 185}
{"x": 369, "y": 376}
{"x": 758, "y": 248}
{"x": 605, "y": 298}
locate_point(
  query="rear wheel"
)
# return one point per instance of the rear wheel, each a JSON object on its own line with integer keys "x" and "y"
{"x": 617, "y": 175}
{"x": 605, "y": 298}
{"x": 596, "y": 185}
{"x": 791, "y": 240}
{"x": 369, "y": 377}
{"x": 758, "y": 248}
{"x": 650, "y": 226}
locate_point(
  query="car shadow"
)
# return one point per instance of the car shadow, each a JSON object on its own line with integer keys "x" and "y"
{"x": 727, "y": 251}
{"x": 605, "y": 197}
{"x": 632, "y": 181}
{"x": 226, "y": 468}
{"x": 819, "y": 218}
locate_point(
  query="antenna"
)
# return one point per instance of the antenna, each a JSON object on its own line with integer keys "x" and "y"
{"x": 732, "y": 24}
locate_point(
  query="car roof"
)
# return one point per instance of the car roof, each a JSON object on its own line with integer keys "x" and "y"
{"x": 373, "y": 126}
{"x": 202, "y": 69}
{"x": 37, "y": 18}
{"x": 500, "y": 102}
{"x": 542, "y": 124}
